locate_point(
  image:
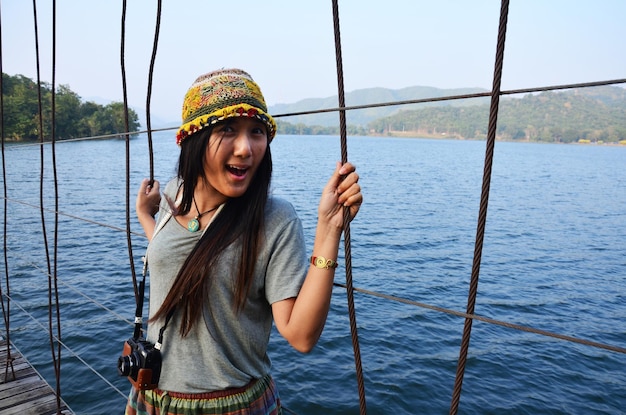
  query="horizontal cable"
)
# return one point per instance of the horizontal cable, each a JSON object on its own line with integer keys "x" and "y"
{"x": 76, "y": 290}
{"x": 398, "y": 299}
{"x": 490, "y": 320}
{"x": 74, "y": 354}
{"x": 116, "y": 228}
{"x": 363, "y": 291}
{"x": 93, "y": 137}
{"x": 365, "y": 106}
{"x": 455, "y": 97}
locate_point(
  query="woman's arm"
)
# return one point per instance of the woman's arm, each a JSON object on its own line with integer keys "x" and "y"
{"x": 147, "y": 205}
{"x": 301, "y": 320}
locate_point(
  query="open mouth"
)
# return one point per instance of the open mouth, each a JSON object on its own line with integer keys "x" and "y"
{"x": 237, "y": 171}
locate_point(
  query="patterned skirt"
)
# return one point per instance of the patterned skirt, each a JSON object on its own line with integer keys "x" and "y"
{"x": 260, "y": 397}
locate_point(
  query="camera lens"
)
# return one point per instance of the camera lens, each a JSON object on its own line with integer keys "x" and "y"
{"x": 125, "y": 365}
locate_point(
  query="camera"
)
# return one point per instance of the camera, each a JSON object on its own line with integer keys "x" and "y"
{"x": 141, "y": 363}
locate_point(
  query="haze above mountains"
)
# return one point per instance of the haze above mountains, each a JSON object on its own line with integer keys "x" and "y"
{"x": 362, "y": 117}
{"x": 359, "y": 117}
{"x": 367, "y": 96}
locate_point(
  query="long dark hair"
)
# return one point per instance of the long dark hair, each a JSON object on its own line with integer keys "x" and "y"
{"x": 241, "y": 218}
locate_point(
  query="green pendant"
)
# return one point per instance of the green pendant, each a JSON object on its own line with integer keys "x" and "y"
{"x": 193, "y": 225}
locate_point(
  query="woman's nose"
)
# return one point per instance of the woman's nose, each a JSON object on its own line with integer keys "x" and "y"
{"x": 242, "y": 145}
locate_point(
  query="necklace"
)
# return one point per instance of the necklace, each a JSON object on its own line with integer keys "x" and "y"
{"x": 194, "y": 224}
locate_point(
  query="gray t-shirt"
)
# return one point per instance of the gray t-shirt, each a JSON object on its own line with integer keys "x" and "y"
{"x": 226, "y": 349}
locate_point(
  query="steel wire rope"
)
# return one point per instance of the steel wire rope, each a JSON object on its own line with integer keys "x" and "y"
{"x": 484, "y": 201}
{"x": 369, "y": 292}
{"x": 403, "y": 300}
{"x": 390, "y": 298}
{"x": 69, "y": 215}
{"x": 346, "y": 214}
{"x": 344, "y": 108}
{"x": 365, "y": 106}
{"x": 127, "y": 132}
{"x": 341, "y": 109}
{"x": 76, "y": 290}
{"x": 69, "y": 349}
{"x": 73, "y": 353}
{"x": 56, "y": 355}
{"x": 489, "y": 320}
{"x": 129, "y": 242}
{"x": 456, "y": 97}
{"x": 155, "y": 45}
{"x": 55, "y": 243}
{"x": 6, "y": 311}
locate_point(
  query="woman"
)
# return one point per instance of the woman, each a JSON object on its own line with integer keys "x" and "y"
{"x": 226, "y": 258}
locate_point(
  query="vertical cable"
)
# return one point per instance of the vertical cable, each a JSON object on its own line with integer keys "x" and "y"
{"x": 127, "y": 131}
{"x": 484, "y": 200}
{"x": 54, "y": 276}
{"x": 149, "y": 93}
{"x": 129, "y": 241}
{"x": 347, "y": 242}
{"x": 6, "y": 311}
{"x": 41, "y": 201}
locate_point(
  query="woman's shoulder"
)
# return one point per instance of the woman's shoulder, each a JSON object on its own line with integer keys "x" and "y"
{"x": 171, "y": 188}
{"x": 279, "y": 205}
{"x": 281, "y": 218}
{"x": 278, "y": 209}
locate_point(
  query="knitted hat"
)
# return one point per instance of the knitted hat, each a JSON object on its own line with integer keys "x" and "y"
{"x": 222, "y": 94}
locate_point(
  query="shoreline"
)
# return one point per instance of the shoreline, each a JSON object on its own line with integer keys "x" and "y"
{"x": 415, "y": 134}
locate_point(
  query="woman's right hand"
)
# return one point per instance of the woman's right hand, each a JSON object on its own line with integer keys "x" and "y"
{"x": 148, "y": 198}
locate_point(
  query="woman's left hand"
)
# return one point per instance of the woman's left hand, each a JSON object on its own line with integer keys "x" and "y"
{"x": 341, "y": 190}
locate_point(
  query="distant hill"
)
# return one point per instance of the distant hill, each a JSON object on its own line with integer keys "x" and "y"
{"x": 579, "y": 115}
{"x": 25, "y": 101}
{"x": 371, "y": 96}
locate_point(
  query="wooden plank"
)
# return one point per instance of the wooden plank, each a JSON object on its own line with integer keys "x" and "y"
{"x": 28, "y": 393}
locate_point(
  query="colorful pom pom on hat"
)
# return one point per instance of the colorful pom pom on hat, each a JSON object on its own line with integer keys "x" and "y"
{"x": 219, "y": 95}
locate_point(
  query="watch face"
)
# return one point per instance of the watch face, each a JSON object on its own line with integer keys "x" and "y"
{"x": 320, "y": 262}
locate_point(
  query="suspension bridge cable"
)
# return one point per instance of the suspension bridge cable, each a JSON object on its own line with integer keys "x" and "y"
{"x": 484, "y": 201}
{"x": 346, "y": 212}
{"x": 370, "y": 292}
{"x": 366, "y": 106}
{"x": 76, "y": 290}
{"x": 56, "y": 357}
{"x": 6, "y": 311}
{"x": 157, "y": 29}
{"x": 469, "y": 316}
{"x": 455, "y": 97}
{"x": 69, "y": 349}
{"x": 129, "y": 242}
{"x": 69, "y": 215}
{"x": 384, "y": 296}
{"x": 54, "y": 288}
{"x": 489, "y": 320}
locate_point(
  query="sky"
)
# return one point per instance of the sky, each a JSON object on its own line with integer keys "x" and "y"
{"x": 288, "y": 46}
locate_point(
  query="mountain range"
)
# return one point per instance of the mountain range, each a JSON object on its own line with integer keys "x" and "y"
{"x": 362, "y": 117}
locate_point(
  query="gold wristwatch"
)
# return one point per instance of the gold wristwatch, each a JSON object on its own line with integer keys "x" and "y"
{"x": 323, "y": 263}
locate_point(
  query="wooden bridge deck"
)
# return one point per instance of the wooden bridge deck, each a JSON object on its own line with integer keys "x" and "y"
{"x": 28, "y": 393}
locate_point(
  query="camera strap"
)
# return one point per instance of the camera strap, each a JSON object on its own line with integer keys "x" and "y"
{"x": 139, "y": 305}
{"x": 162, "y": 220}
{"x": 139, "y": 310}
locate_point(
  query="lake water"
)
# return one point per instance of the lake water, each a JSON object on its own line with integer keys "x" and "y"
{"x": 553, "y": 259}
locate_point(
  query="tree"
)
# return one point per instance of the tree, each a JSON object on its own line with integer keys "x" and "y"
{"x": 67, "y": 113}
{"x": 73, "y": 118}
